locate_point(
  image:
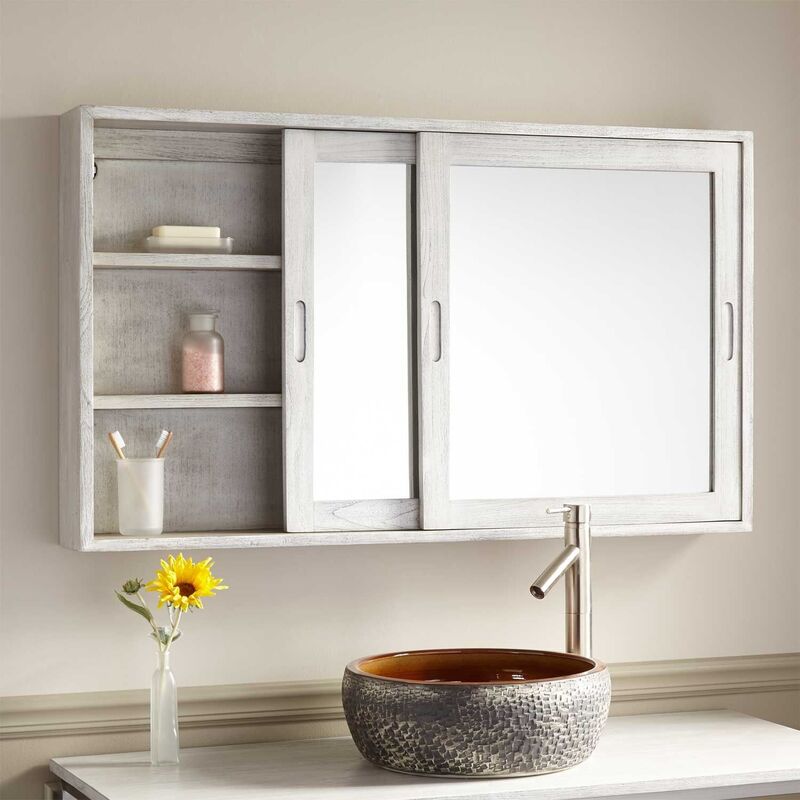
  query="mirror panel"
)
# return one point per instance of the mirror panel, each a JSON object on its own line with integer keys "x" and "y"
{"x": 363, "y": 408}
{"x": 580, "y": 332}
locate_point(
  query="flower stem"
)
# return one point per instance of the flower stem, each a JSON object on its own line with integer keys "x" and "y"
{"x": 152, "y": 624}
{"x": 174, "y": 630}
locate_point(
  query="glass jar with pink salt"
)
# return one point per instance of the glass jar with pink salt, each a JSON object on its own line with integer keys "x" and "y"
{"x": 202, "y": 354}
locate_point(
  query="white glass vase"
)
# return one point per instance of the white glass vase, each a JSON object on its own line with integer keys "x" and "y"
{"x": 163, "y": 714}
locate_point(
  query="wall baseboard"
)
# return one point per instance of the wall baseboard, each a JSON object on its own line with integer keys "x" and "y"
{"x": 638, "y": 688}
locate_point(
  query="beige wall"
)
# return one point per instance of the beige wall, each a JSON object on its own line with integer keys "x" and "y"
{"x": 298, "y": 614}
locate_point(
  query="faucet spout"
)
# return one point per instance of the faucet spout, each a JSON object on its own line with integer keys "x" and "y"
{"x": 574, "y": 563}
{"x": 554, "y": 570}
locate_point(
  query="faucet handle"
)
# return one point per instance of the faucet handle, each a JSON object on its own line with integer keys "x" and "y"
{"x": 572, "y": 513}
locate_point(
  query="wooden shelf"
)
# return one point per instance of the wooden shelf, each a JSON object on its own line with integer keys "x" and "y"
{"x": 120, "y": 401}
{"x": 248, "y": 539}
{"x": 123, "y": 401}
{"x": 274, "y": 537}
{"x": 115, "y": 542}
{"x": 202, "y": 261}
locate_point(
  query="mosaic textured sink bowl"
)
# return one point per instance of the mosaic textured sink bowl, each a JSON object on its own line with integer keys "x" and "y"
{"x": 476, "y": 713}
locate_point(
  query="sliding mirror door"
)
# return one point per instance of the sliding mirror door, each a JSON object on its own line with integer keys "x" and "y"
{"x": 350, "y": 390}
{"x": 580, "y": 318}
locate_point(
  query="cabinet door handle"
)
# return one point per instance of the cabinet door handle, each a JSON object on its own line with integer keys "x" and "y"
{"x": 300, "y": 331}
{"x": 730, "y": 330}
{"x": 436, "y": 330}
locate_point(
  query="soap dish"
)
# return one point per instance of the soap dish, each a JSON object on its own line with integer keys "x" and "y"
{"x": 188, "y": 244}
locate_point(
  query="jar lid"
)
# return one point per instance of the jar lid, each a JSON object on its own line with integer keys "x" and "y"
{"x": 202, "y": 320}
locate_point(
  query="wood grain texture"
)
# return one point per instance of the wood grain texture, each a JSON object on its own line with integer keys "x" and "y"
{"x": 191, "y": 119}
{"x": 618, "y": 511}
{"x": 727, "y": 418}
{"x": 118, "y": 401}
{"x": 185, "y": 261}
{"x": 433, "y": 312}
{"x": 75, "y": 330}
{"x": 362, "y": 146}
{"x": 140, "y": 321}
{"x": 133, "y": 197}
{"x": 222, "y": 471}
{"x": 390, "y": 514}
{"x": 747, "y": 230}
{"x": 584, "y": 153}
{"x": 275, "y": 537}
{"x": 702, "y": 755}
{"x": 247, "y": 148}
{"x": 298, "y": 287}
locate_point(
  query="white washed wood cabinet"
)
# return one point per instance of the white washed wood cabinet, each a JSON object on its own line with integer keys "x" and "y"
{"x": 434, "y": 329}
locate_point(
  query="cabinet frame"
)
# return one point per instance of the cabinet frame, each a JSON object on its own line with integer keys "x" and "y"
{"x": 157, "y": 134}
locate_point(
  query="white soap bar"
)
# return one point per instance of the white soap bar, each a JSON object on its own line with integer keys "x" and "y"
{"x": 195, "y": 231}
{"x": 187, "y": 244}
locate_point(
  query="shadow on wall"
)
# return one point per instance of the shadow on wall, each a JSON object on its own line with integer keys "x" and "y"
{"x": 29, "y": 339}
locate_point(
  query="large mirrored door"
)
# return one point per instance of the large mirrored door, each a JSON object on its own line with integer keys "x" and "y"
{"x": 350, "y": 404}
{"x": 580, "y": 300}
{"x": 579, "y": 310}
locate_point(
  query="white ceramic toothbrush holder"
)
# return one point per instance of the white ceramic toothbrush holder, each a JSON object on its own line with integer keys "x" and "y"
{"x": 140, "y": 496}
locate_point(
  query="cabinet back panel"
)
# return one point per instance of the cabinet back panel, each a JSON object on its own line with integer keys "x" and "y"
{"x": 131, "y": 197}
{"x": 223, "y": 470}
{"x": 140, "y": 319}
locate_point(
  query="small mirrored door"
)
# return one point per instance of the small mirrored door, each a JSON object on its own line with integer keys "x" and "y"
{"x": 349, "y": 299}
{"x": 580, "y": 322}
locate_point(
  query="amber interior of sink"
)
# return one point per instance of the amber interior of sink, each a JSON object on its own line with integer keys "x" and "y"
{"x": 474, "y": 666}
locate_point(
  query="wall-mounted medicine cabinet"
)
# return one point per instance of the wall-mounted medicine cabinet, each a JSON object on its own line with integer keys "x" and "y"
{"x": 434, "y": 330}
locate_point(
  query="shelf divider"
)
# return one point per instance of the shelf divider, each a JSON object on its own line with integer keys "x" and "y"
{"x": 122, "y": 401}
{"x": 203, "y": 261}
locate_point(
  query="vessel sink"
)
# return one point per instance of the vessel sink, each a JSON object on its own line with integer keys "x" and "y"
{"x": 476, "y": 713}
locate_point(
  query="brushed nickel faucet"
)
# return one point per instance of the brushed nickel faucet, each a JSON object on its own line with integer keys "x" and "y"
{"x": 574, "y": 563}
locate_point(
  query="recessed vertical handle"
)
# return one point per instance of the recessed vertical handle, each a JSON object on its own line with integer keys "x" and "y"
{"x": 436, "y": 330}
{"x": 300, "y": 331}
{"x": 730, "y": 331}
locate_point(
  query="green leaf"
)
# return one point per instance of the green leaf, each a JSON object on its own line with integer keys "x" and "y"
{"x": 141, "y": 610}
{"x": 163, "y": 635}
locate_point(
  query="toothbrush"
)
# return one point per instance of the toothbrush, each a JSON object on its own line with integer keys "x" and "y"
{"x": 161, "y": 439}
{"x": 167, "y": 438}
{"x": 118, "y": 443}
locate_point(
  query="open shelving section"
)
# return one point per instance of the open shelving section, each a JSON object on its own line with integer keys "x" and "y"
{"x": 124, "y": 315}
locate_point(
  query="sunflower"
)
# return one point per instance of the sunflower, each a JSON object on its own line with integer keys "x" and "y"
{"x": 181, "y": 583}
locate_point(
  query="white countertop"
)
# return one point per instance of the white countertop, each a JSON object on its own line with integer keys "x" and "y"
{"x": 714, "y": 754}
